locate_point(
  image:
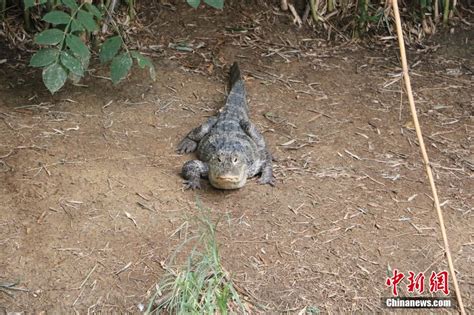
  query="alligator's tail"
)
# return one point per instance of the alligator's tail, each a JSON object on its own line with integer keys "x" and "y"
{"x": 237, "y": 98}
{"x": 234, "y": 75}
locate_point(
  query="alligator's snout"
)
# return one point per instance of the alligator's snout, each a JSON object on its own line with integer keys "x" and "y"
{"x": 228, "y": 178}
{"x": 228, "y": 181}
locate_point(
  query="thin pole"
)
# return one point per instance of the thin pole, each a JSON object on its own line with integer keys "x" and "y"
{"x": 426, "y": 160}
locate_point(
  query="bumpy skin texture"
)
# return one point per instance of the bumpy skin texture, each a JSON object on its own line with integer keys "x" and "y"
{"x": 230, "y": 148}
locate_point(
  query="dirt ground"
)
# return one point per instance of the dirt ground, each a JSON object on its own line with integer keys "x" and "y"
{"x": 91, "y": 196}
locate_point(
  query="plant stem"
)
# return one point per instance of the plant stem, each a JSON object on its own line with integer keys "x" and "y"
{"x": 446, "y": 12}
{"x": 3, "y": 7}
{"x": 330, "y": 5}
{"x": 131, "y": 9}
{"x": 451, "y": 12}
{"x": 363, "y": 14}
{"x": 66, "y": 29}
{"x": 115, "y": 26}
{"x": 27, "y": 19}
{"x": 49, "y": 5}
{"x": 314, "y": 4}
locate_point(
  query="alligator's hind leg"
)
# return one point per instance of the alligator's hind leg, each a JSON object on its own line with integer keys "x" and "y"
{"x": 267, "y": 167}
{"x": 192, "y": 172}
{"x": 189, "y": 143}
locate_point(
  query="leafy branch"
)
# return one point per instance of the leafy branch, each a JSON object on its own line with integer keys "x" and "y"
{"x": 67, "y": 54}
{"x": 121, "y": 64}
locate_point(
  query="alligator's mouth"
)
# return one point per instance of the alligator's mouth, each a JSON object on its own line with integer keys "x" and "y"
{"x": 227, "y": 181}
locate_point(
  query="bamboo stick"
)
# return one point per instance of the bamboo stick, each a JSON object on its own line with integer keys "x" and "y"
{"x": 330, "y": 5}
{"x": 314, "y": 4}
{"x": 451, "y": 12}
{"x": 426, "y": 160}
{"x": 446, "y": 12}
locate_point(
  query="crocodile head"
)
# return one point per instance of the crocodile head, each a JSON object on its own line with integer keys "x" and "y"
{"x": 228, "y": 170}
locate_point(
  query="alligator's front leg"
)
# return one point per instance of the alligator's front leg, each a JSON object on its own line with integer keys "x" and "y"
{"x": 192, "y": 172}
{"x": 190, "y": 142}
{"x": 267, "y": 171}
{"x": 267, "y": 167}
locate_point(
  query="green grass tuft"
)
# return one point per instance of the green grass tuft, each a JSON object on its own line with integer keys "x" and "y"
{"x": 201, "y": 286}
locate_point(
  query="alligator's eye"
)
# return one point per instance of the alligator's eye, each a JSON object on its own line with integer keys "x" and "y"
{"x": 234, "y": 160}
{"x": 219, "y": 159}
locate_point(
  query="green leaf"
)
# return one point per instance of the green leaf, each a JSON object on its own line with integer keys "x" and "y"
{"x": 31, "y": 3}
{"x": 57, "y": 17}
{"x": 72, "y": 64}
{"x": 120, "y": 67}
{"x": 54, "y": 77}
{"x": 71, "y": 4}
{"x": 87, "y": 20}
{"x": 145, "y": 62}
{"x": 217, "y": 4}
{"x": 93, "y": 9}
{"x": 44, "y": 57}
{"x": 142, "y": 60}
{"x": 110, "y": 48}
{"x": 78, "y": 47}
{"x": 49, "y": 37}
{"x": 194, "y": 3}
{"x": 85, "y": 62}
{"x": 76, "y": 26}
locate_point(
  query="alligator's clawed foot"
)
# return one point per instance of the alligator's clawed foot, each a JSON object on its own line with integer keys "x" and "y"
{"x": 186, "y": 146}
{"x": 267, "y": 180}
{"x": 189, "y": 184}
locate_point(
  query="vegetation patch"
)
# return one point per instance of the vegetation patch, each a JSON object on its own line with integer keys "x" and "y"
{"x": 202, "y": 285}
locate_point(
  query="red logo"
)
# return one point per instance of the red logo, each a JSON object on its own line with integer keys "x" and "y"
{"x": 416, "y": 282}
{"x": 393, "y": 281}
{"x": 439, "y": 282}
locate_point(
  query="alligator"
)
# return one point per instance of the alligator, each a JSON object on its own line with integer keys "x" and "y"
{"x": 230, "y": 147}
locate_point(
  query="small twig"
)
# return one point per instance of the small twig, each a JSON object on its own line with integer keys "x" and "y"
{"x": 307, "y": 10}
{"x": 297, "y": 19}
{"x": 110, "y": 12}
{"x": 123, "y": 269}
{"x": 4, "y": 286}
{"x": 87, "y": 277}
